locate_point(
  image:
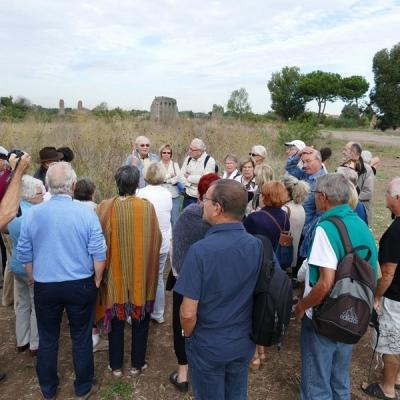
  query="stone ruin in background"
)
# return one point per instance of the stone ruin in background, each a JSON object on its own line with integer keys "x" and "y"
{"x": 164, "y": 109}
{"x": 61, "y": 109}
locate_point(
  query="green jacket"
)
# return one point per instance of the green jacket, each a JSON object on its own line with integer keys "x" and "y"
{"x": 359, "y": 235}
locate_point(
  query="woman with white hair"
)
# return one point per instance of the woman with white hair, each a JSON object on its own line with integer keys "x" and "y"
{"x": 32, "y": 191}
{"x": 161, "y": 199}
{"x": 258, "y": 153}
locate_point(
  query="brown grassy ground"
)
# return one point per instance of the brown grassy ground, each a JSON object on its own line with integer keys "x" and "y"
{"x": 100, "y": 148}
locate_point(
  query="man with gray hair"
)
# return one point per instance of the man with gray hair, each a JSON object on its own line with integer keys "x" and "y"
{"x": 387, "y": 301}
{"x": 311, "y": 170}
{"x": 63, "y": 249}
{"x": 141, "y": 158}
{"x": 325, "y": 363}
{"x": 195, "y": 165}
{"x": 217, "y": 282}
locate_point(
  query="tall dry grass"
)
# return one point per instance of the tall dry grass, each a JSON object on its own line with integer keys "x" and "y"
{"x": 102, "y": 146}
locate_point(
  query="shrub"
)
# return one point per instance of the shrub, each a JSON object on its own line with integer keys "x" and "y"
{"x": 306, "y": 131}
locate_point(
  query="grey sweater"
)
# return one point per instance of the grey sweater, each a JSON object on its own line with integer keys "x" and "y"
{"x": 188, "y": 229}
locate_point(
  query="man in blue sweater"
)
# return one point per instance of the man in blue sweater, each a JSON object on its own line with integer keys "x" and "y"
{"x": 63, "y": 249}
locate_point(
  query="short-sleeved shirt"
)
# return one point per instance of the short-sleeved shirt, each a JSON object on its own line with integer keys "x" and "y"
{"x": 389, "y": 252}
{"x": 220, "y": 271}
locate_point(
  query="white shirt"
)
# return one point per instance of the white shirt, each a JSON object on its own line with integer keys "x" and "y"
{"x": 195, "y": 170}
{"x": 233, "y": 175}
{"x": 321, "y": 255}
{"x": 162, "y": 201}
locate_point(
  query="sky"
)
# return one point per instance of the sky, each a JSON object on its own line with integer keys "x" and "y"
{"x": 126, "y": 52}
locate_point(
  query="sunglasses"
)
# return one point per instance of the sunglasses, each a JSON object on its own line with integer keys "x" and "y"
{"x": 253, "y": 154}
{"x": 166, "y": 152}
{"x": 144, "y": 145}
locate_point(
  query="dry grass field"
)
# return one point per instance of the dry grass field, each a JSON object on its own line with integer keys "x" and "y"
{"x": 100, "y": 148}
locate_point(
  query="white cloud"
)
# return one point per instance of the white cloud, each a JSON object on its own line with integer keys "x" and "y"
{"x": 126, "y": 53}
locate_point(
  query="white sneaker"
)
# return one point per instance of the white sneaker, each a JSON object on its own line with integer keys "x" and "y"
{"x": 116, "y": 372}
{"x": 102, "y": 345}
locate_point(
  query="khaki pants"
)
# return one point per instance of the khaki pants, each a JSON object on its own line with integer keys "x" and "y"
{"x": 8, "y": 287}
{"x": 25, "y": 316}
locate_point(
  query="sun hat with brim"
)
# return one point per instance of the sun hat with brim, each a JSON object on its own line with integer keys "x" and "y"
{"x": 3, "y": 153}
{"x": 297, "y": 143}
{"x": 50, "y": 154}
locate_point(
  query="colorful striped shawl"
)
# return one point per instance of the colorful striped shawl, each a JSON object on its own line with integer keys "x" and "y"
{"x": 133, "y": 239}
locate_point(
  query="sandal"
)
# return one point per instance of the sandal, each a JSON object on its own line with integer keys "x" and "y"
{"x": 255, "y": 363}
{"x": 374, "y": 390}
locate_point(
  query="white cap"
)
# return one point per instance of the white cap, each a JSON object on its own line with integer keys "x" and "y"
{"x": 297, "y": 143}
{"x": 3, "y": 151}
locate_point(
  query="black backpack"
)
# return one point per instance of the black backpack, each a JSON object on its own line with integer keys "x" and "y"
{"x": 272, "y": 301}
{"x": 345, "y": 314}
{"x": 205, "y": 163}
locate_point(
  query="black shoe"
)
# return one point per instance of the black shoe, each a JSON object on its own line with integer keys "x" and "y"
{"x": 21, "y": 349}
{"x": 2, "y": 376}
{"x": 181, "y": 386}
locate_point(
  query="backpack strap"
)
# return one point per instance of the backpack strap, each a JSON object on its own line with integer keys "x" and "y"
{"x": 344, "y": 235}
{"x": 206, "y": 160}
{"x": 188, "y": 161}
{"x": 341, "y": 227}
{"x": 274, "y": 219}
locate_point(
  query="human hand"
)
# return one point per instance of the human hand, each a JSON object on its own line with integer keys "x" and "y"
{"x": 308, "y": 150}
{"x": 134, "y": 160}
{"x": 299, "y": 311}
{"x": 377, "y": 304}
{"x": 20, "y": 163}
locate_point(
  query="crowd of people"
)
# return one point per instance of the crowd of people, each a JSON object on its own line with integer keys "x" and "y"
{"x": 104, "y": 264}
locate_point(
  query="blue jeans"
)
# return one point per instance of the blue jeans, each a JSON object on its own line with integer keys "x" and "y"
{"x": 77, "y": 298}
{"x": 216, "y": 380}
{"x": 159, "y": 303}
{"x": 325, "y": 366}
{"x": 176, "y": 209}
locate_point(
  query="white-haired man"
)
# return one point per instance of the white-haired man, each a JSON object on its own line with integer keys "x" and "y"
{"x": 195, "y": 165}
{"x": 141, "y": 158}
{"x": 63, "y": 249}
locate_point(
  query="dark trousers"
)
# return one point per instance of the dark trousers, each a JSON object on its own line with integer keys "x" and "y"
{"x": 179, "y": 340}
{"x": 187, "y": 200}
{"x": 140, "y": 333}
{"x": 77, "y": 298}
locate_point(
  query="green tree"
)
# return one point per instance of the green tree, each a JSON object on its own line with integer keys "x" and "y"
{"x": 353, "y": 88}
{"x": 217, "y": 111}
{"x": 320, "y": 86}
{"x": 386, "y": 94}
{"x": 287, "y": 101}
{"x": 238, "y": 103}
{"x": 350, "y": 111}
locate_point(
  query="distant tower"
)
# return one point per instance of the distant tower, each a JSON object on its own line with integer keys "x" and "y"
{"x": 164, "y": 108}
{"x": 80, "y": 107}
{"x": 61, "y": 110}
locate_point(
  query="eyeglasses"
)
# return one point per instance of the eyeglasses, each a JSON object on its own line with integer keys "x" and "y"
{"x": 253, "y": 155}
{"x": 166, "y": 152}
{"x": 191, "y": 149}
{"x": 144, "y": 145}
{"x": 205, "y": 199}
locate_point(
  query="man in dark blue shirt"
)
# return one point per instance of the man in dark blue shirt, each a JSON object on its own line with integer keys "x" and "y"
{"x": 217, "y": 281}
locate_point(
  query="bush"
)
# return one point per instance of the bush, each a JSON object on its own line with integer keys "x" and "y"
{"x": 350, "y": 111}
{"x": 306, "y": 131}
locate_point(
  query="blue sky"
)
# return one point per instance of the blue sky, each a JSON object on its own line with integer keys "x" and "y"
{"x": 127, "y": 52}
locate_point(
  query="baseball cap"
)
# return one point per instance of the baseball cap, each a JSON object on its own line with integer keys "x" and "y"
{"x": 297, "y": 143}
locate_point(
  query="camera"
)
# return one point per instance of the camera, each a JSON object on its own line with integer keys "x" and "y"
{"x": 18, "y": 153}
